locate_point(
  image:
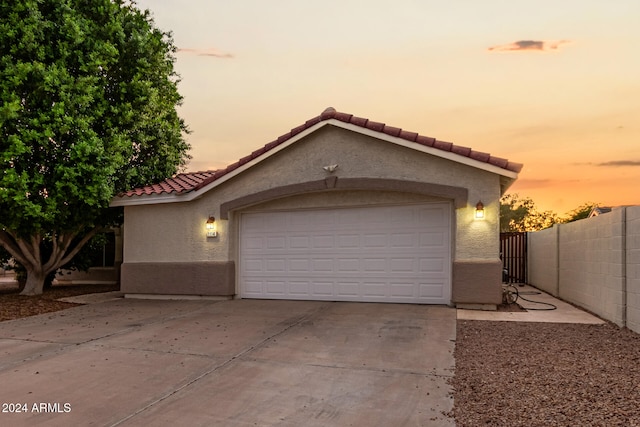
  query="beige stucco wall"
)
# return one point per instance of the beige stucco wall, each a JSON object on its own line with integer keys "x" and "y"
{"x": 175, "y": 232}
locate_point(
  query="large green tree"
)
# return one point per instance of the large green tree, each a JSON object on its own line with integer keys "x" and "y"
{"x": 88, "y": 98}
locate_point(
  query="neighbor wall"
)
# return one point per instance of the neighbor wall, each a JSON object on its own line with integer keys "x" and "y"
{"x": 542, "y": 250}
{"x": 593, "y": 263}
{"x": 633, "y": 267}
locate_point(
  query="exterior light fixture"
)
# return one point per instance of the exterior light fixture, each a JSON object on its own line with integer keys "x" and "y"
{"x": 211, "y": 227}
{"x": 479, "y": 211}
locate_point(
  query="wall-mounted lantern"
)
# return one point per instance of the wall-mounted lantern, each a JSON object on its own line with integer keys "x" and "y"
{"x": 211, "y": 227}
{"x": 479, "y": 211}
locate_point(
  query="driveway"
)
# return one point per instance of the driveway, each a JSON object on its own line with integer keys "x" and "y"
{"x": 229, "y": 363}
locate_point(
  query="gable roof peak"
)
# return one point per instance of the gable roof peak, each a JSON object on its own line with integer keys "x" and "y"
{"x": 194, "y": 181}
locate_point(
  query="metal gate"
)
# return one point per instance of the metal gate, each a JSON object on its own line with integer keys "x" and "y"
{"x": 513, "y": 251}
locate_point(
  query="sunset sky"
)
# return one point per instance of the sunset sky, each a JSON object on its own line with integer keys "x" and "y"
{"x": 552, "y": 84}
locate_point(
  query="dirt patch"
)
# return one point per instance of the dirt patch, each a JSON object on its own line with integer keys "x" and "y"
{"x": 14, "y": 306}
{"x": 543, "y": 374}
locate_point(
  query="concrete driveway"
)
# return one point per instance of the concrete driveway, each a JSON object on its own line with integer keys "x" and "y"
{"x": 229, "y": 363}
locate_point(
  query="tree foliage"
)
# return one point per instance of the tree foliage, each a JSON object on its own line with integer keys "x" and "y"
{"x": 88, "y": 99}
{"x": 581, "y": 212}
{"x": 521, "y": 214}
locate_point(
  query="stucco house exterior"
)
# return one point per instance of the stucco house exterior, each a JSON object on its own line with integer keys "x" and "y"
{"x": 340, "y": 208}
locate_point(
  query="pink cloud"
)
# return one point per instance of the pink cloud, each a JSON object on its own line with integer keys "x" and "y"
{"x": 212, "y": 51}
{"x": 526, "y": 45}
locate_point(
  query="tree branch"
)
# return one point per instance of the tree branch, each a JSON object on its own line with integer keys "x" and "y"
{"x": 54, "y": 243}
{"x": 8, "y": 241}
{"x": 35, "y": 244}
{"x": 56, "y": 261}
{"x": 27, "y": 252}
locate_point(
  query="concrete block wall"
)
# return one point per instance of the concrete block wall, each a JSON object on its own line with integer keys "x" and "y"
{"x": 593, "y": 263}
{"x": 633, "y": 268}
{"x": 542, "y": 250}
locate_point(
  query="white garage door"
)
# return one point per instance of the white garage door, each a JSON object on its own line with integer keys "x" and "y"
{"x": 375, "y": 254}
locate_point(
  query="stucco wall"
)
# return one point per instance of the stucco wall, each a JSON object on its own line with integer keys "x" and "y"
{"x": 175, "y": 233}
{"x": 597, "y": 267}
{"x": 542, "y": 250}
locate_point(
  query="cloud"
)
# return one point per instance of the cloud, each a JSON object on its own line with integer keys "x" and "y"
{"x": 619, "y": 163}
{"x": 524, "y": 45}
{"x": 216, "y": 53}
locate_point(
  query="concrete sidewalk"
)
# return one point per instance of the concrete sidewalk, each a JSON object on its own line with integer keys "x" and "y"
{"x": 564, "y": 312}
{"x": 229, "y": 363}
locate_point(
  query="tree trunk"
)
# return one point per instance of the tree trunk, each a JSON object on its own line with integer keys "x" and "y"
{"x": 35, "y": 282}
{"x": 27, "y": 251}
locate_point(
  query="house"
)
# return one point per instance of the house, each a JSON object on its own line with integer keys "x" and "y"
{"x": 599, "y": 210}
{"x": 340, "y": 208}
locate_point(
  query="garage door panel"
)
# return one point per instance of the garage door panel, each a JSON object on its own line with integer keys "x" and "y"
{"x": 253, "y": 265}
{"x": 402, "y": 240}
{"x": 374, "y": 265}
{"x": 402, "y": 265}
{"x": 322, "y": 288}
{"x": 346, "y": 241}
{"x": 299, "y": 265}
{"x": 375, "y": 240}
{"x": 433, "y": 216}
{"x": 275, "y": 242}
{"x": 276, "y": 288}
{"x": 355, "y": 254}
{"x": 298, "y": 242}
{"x": 253, "y": 287}
{"x": 299, "y": 288}
{"x": 433, "y": 239}
{"x": 348, "y": 265}
{"x": 372, "y": 289}
{"x": 403, "y": 290}
{"x": 433, "y": 290}
{"x": 347, "y": 289}
{"x": 433, "y": 265}
{"x": 322, "y": 265}
{"x": 254, "y": 243}
{"x": 323, "y": 242}
{"x": 276, "y": 266}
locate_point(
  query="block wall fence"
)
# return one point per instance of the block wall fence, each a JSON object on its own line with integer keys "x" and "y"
{"x": 593, "y": 263}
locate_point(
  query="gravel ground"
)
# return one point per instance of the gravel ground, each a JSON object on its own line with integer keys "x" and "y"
{"x": 14, "y": 306}
{"x": 546, "y": 374}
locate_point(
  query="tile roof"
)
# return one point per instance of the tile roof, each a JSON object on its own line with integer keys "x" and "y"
{"x": 186, "y": 182}
{"x": 183, "y": 182}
